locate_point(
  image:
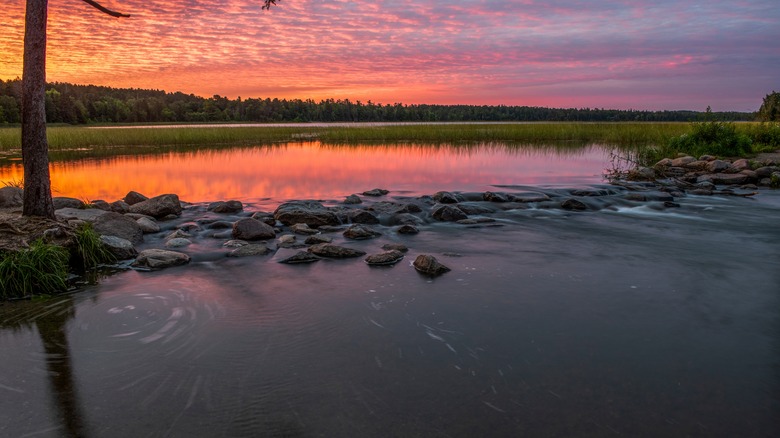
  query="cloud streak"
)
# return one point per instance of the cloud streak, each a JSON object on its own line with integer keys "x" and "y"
{"x": 619, "y": 54}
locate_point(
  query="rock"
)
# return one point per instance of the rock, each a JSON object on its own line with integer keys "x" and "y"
{"x": 524, "y": 197}
{"x": 220, "y": 225}
{"x": 121, "y": 207}
{"x": 353, "y": 199}
{"x": 11, "y": 197}
{"x": 446, "y": 198}
{"x": 303, "y": 229}
{"x": 100, "y": 204}
{"x": 391, "y": 208}
{"x": 701, "y": 192}
{"x": 119, "y": 225}
{"x": 132, "y": 198}
{"x": 448, "y": 213}
{"x": 226, "y": 207}
{"x": 707, "y": 158}
{"x": 334, "y": 251}
{"x": 362, "y": 217}
{"x": 741, "y": 164}
{"x": 235, "y": 243}
{"x": 495, "y": 197}
{"x": 642, "y": 174}
{"x": 407, "y": 229}
{"x": 666, "y": 162}
{"x": 158, "y": 207}
{"x": 160, "y": 258}
{"x": 573, "y": 204}
{"x": 310, "y": 213}
{"x": 428, "y": 265}
{"x": 360, "y": 232}
{"x": 395, "y": 247}
{"x": 475, "y": 208}
{"x": 405, "y": 219}
{"x": 724, "y": 178}
{"x": 120, "y": 248}
{"x": 178, "y": 234}
{"x": 300, "y": 257}
{"x": 717, "y": 166}
{"x": 252, "y": 229}
{"x": 253, "y": 249}
{"x": 178, "y": 242}
{"x": 682, "y": 161}
{"x": 265, "y": 217}
{"x": 475, "y": 221}
{"x": 86, "y": 215}
{"x": 314, "y": 240}
{"x": 385, "y": 258}
{"x": 61, "y": 202}
{"x": 761, "y": 172}
{"x": 376, "y": 192}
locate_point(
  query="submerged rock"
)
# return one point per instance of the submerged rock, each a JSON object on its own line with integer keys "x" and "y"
{"x": 160, "y": 258}
{"x": 318, "y": 238}
{"x": 300, "y": 257}
{"x": 386, "y": 258}
{"x": 335, "y": 251}
{"x": 573, "y": 204}
{"x": 428, "y": 265}
{"x": 360, "y": 232}
{"x": 303, "y": 229}
{"x": 252, "y": 249}
{"x": 407, "y": 229}
{"x": 395, "y": 247}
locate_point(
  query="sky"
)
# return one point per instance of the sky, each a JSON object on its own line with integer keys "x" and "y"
{"x": 659, "y": 55}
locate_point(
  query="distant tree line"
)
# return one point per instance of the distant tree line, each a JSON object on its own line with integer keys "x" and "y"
{"x": 82, "y": 104}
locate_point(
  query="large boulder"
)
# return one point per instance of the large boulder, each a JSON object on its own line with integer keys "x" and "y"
{"x": 160, "y": 258}
{"x": 134, "y": 198}
{"x": 252, "y": 229}
{"x": 11, "y": 197}
{"x": 86, "y": 215}
{"x": 119, "y": 225}
{"x": 310, "y": 213}
{"x": 61, "y": 202}
{"x": 158, "y": 207}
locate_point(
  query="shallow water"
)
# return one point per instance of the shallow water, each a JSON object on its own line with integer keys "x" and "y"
{"x": 632, "y": 320}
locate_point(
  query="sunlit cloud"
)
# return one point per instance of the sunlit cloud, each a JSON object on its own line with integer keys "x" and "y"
{"x": 619, "y": 54}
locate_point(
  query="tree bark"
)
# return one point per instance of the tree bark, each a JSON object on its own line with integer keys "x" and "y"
{"x": 35, "y": 147}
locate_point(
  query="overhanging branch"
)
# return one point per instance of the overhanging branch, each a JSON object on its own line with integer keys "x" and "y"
{"x": 105, "y": 10}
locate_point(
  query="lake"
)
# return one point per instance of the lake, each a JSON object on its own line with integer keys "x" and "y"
{"x": 630, "y": 319}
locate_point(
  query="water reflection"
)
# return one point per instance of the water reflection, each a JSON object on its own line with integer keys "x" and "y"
{"x": 314, "y": 170}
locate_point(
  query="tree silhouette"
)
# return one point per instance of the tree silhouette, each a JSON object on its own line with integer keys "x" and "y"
{"x": 35, "y": 147}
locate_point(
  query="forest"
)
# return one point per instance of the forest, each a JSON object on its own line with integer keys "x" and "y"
{"x": 83, "y": 104}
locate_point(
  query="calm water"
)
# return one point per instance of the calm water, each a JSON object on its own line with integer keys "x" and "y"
{"x": 631, "y": 320}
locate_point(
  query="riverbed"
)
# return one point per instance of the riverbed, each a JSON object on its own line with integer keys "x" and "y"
{"x": 633, "y": 320}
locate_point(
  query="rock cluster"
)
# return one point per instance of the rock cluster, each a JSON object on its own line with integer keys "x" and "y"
{"x": 707, "y": 171}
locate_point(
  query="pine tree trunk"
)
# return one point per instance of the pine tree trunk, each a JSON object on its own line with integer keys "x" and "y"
{"x": 35, "y": 148}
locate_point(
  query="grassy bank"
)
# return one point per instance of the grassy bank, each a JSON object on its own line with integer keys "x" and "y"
{"x": 63, "y": 138}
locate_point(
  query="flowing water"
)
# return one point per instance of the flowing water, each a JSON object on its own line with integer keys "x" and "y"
{"x": 631, "y": 320}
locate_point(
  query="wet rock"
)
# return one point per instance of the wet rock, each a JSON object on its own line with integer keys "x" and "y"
{"x": 353, "y": 199}
{"x": 235, "y": 243}
{"x": 376, "y": 192}
{"x": 391, "y": 208}
{"x": 362, "y": 217}
{"x": 119, "y": 225}
{"x": 448, "y": 213}
{"x": 189, "y": 227}
{"x": 61, "y": 202}
{"x": 360, "y": 232}
{"x": 407, "y": 229}
{"x": 300, "y": 257}
{"x": 220, "y": 225}
{"x": 264, "y": 217}
{"x": 476, "y": 221}
{"x": 526, "y": 197}
{"x": 395, "y": 247}
{"x": 428, "y": 265}
{"x": 120, "y": 248}
{"x": 701, "y": 192}
{"x": 670, "y": 204}
{"x": 446, "y": 198}
{"x": 178, "y": 234}
{"x": 385, "y": 258}
{"x": 253, "y": 249}
{"x": 316, "y": 239}
{"x": 495, "y": 197}
{"x": 474, "y": 208}
{"x": 334, "y": 251}
{"x": 303, "y": 229}
{"x": 158, "y": 207}
{"x": 724, "y": 178}
{"x": 573, "y": 204}
{"x": 160, "y": 259}
{"x": 231, "y": 206}
{"x": 132, "y": 198}
{"x": 310, "y": 213}
{"x": 11, "y": 197}
{"x": 252, "y": 229}
{"x": 178, "y": 242}
{"x": 405, "y": 219}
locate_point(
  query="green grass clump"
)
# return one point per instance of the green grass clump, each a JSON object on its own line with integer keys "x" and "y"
{"x": 90, "y": 251}
{"x": 40, "y": 269}
{"x": 765, "y": 136}
{"x": 713, "y": 138}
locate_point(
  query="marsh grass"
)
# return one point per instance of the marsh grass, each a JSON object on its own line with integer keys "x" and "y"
{"x": 40, "y": 269}
{"x": 89, "y": 251}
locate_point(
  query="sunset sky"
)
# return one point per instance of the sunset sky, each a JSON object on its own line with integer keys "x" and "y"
{"x": 558, "y": 53}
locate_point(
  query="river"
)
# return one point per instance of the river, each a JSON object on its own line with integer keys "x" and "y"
{"x": 631, "y": 320}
